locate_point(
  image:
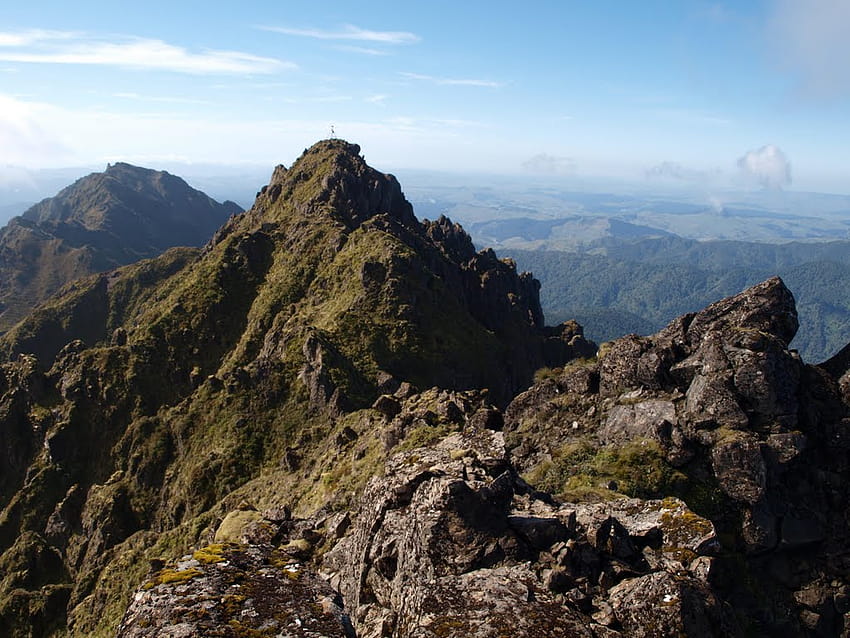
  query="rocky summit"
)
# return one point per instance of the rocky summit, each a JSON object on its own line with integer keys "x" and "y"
{"x": 100, "y": 222}
{"x": 338, "y": 420}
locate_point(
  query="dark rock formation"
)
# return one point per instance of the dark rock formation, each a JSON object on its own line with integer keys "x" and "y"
{"x": 714, "y": 409}
{"x": 451, "y": 542}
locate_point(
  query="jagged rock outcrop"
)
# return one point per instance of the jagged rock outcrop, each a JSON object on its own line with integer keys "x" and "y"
{"x": 717, "y": 410}
{"x": 100, "y": 222}
{"x": 450, "y": 541}
{"x": 164, "y": 389}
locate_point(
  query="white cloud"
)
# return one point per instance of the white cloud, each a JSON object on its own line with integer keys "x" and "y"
{"x": 361, "y": 50}
{"x": 159, "y": 98}
{"x": 349, "y": 32}
{"x": 377, "y": 99}
{"x": 767, "y": 167}
{"x": 32, "y": 36}
{"x": 450, "y": 81}
{"x": 546, "y": 164}
{"x": 42, "y": 135}
{"x": 679, "y": 172}
{"x": 809, "y": 37}
{"x": 49, "y": 47}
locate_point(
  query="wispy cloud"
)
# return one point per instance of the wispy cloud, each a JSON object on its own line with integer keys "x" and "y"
{"x": 52, "y": 47}
{"x": 349, "y": 32}
{"x": 377, "y": 99}
{"x": 450, "y": 81}
{"x": 316, "y": 99}
{"x": 32, "y": 36}
{"x": 39, "y": 134}
{"x": 159, "y": 98}
{"x": 23, "y": 137}
{"x": 361, "y": 50}
{"x": 676, "y": 171}
{"x": 546, "y": 164}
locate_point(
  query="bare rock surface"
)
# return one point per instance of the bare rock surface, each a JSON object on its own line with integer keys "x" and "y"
{"x": 717, "y": 410}
{"x": 233, "y": 590}
{"x": 450, "y": 542}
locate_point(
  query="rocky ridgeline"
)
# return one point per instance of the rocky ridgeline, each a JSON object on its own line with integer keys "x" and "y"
{"x": 450, "y": 540}
{"x": 165, "y": 392}
{"x": 326, "y": 425}
{"x": 717, "y": 410}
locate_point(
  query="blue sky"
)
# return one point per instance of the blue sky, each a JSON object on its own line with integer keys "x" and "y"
{"x": 750, "y": 93}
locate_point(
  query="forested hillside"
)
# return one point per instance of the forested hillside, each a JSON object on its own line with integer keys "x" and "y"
{"x": 639, "y": 286}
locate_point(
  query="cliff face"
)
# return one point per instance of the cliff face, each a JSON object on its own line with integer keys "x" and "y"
{"x": 100, "y": 222}
{"x": 165, "y": 392}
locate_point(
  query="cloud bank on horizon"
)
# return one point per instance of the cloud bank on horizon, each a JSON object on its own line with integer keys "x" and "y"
{"x": 766, "y": 166}
{"x": 648, "y": 92}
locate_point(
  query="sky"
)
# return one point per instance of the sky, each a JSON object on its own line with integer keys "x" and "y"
{"x": 752, "y": 93}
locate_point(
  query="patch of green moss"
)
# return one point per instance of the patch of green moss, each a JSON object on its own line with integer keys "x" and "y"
{"x": 211, "y": 553}
{"x": 235, "y": 524}
{"x": 172, "y": 576}
{"x": 581, "y": 471}
{"x": 547, "y": 373}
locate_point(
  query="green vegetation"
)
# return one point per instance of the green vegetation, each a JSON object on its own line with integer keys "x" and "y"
{"x": 425, "y": 435}
{"x": 211, "y": 553}
{"x": 171, "y": 576}
{"x": 581, "y": 471}
{"x": 641, "y": 286}
{"x": 236, "y": 372}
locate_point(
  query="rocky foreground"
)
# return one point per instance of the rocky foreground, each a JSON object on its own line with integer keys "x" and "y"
{"x": 326, "y": 425}
{"x": 451, "y": 540}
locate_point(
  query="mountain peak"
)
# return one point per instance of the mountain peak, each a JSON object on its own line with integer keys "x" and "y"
{"x": 101, "y": 221}
{"x": 118, "y": 168}
{"x": 322, "y": 308}
{"x": 335, "y": 145}
{"x": 332, "y": 176}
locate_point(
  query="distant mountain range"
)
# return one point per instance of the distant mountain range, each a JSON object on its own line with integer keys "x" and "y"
{"x": 100, "y": 222}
